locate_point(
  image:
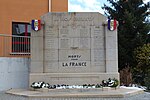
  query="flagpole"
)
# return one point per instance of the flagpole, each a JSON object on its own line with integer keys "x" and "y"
{"x": 49, "y": 5}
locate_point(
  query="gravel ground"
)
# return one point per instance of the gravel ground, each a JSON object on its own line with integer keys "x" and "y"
{"x": 144, "y": 96}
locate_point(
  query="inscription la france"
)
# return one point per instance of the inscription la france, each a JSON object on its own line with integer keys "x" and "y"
{"x": 74, "y": 61}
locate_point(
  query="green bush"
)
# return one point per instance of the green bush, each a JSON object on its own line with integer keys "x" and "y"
{"x": 147, "y": 81}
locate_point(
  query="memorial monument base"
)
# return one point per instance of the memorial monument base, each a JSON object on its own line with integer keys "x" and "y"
{"x": 74, "y": 49}
{"x": 72, "y": 78}
{"x": 80, "y": 94}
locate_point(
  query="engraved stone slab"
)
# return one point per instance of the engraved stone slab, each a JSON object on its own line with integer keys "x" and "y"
{"x": 97, "y": 55}
{"x": 85, "y": 43}
{"x": 74, "y": 40}
{"x": 51, "y": 43}
{"x": 64, "y": 32}
{"x": 51, "y": 55}
{"x": 51, "y": 31}
{"x": 97, "y": 43}
{"x": 64, "y": 43}
{"x": 97, "y": 31}
{"x": 51, "y": 66}
{"x": 74, "y": 48}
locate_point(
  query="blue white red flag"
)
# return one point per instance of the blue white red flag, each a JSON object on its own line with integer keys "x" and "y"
{"x": 36, "y": 25}
{"x": 112, "y": 24}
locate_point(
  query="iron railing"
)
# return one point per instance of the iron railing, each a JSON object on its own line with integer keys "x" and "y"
{"x": 14, "y": 45}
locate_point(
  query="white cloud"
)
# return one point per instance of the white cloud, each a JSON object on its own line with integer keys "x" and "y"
{"x": 88, "y": 5}
{"x": 85, "y": 6}
{"x": 145, "y": 1}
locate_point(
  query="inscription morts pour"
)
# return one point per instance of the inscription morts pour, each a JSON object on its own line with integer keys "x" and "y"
{"x": 69, "y": 55}
{"x": 74, "y": 61}
{"x": 74, "y": 64}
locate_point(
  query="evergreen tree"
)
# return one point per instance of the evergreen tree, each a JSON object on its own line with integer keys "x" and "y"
{"x": 133, "y": 27}
{"x": 142, "y": 70}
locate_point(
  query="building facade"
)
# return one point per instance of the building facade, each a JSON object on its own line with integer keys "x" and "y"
{"x": 15, "y": 20}
{"x": 15, "y": 29}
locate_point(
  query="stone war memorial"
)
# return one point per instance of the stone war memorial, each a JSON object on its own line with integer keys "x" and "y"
{"x": 71, "y": 54}
{"x": 74, "y": 49}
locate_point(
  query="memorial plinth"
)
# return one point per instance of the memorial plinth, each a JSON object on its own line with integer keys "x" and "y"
{"x": 73, "y": 49}
{"x": 77, "y": 94}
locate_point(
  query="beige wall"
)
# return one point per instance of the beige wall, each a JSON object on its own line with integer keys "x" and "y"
{"x": 25, "y": 11}
{"x": 20, "y": 11}
{"x": 59, "y": 5}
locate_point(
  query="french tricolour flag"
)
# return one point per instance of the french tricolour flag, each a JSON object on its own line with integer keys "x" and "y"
{"x": 112, "y": 24}
{"x": 36, "y": 25}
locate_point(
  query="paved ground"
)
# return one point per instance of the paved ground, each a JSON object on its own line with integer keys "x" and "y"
{"x": 144, "y": 96}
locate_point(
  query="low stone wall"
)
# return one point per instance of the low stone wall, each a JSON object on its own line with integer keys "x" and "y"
{"x": 14, "y": 73}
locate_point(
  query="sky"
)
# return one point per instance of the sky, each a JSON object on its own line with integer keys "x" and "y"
{"x": 88, "y": 5}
